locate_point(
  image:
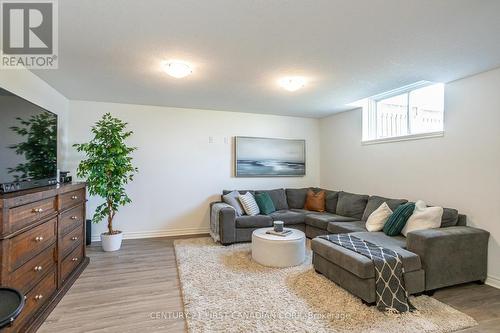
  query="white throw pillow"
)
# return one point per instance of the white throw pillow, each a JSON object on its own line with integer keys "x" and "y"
{"x": 377, "y": 219}
{"x": 423, "y": 217}
{"x": 249, "y": 204}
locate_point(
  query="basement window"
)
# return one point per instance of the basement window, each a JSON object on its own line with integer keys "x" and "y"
{"x": 411, "y": 112}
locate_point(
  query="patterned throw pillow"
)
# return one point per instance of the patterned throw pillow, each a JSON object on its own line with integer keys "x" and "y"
{"x": 265, "y": 203}
{"x": 398, "y": 219}
{"x": 249, "y": 204}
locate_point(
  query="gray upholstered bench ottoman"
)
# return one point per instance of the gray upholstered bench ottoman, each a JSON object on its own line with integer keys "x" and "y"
{"x": 356, "y": 273}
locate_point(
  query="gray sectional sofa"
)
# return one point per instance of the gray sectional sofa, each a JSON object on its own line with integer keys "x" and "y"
{"x": 433, "y": 258}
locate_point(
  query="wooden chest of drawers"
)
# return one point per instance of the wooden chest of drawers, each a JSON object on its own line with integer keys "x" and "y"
{"x": 42, "y": 248}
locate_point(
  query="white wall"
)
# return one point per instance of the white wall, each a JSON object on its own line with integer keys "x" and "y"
{"x": 180, "y": 171}
{"x": 30, "y": 87}
{"x": 460, "y": 170}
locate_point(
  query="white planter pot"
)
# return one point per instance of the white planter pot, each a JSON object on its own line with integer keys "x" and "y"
{"x": 111, "y": 242}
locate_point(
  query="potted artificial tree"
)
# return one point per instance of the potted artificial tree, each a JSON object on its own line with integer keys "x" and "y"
{"x": 107, "y": 169}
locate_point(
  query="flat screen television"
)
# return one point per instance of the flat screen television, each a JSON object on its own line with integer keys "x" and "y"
{"x": 28, "y": 144}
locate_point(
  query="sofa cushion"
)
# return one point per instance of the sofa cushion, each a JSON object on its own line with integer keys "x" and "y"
{"x": 315, "y": 201}
{"x": 345, "y": 227}
{"x": 232, "y": 199}
{"x": 296, "y": 197}
{"x": 411, "y": 261}
{"x": 450, "y": 217}
{"x": 374, "y": 202}
{"x": 278, "y": 197}
{"x": 256, "y": 221}
{"x": 265, "y": 203}
{"x": 382, "y": 239}
{"x": 303, "y": 211}
{"x": 321, "y": 220}
{"x": 398, "y": 219}
{"x": 288, "y": 216}
{"x": 461, "y": 221}
{"x": 331, "y": 200}
{"x": 351, "y": 204}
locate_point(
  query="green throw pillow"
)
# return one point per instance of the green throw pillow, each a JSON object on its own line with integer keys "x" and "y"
{"x": 265, "y": 203}
{"x": 398, "y": 219}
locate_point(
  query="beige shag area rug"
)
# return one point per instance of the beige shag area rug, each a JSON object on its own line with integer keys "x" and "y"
{"x": 225, "y": 291}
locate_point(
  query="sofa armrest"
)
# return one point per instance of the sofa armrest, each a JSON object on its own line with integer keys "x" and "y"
{"x": 451, "y": 255}
{"x": 227, "y": 224}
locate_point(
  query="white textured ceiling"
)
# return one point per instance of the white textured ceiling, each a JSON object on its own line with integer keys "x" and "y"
{"x": 110, "y": 50}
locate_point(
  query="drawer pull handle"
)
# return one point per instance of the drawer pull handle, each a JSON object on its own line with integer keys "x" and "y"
{"x": 39, "y": 238}
{"x": 74, "y": 238}
{"x": 38, "y": 297}
{"x": 74, "y": 259}
{"x": 37, "y": 210}
{"x": 38, "y": 268}
{"x": 74, "y": 217}
{"x": 74, "y": 197}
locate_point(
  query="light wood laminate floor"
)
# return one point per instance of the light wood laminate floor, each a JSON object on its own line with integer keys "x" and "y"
{"x": 137, "y": 290}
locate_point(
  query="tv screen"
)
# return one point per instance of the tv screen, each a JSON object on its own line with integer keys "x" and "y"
{"x": 28, "y": 144}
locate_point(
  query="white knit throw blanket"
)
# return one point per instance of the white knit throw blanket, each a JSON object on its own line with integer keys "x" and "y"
{"x": 214, "y": 219}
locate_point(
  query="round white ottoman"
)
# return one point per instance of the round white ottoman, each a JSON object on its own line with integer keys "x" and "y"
{"x": 278, "y": 251}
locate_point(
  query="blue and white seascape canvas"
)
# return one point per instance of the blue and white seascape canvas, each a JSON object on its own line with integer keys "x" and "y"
{"x": 266, "y": 157}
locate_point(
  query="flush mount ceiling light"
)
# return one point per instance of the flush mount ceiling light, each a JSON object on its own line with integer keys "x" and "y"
{"x": 177, "y": 69}
{"x": 292, "y": 83}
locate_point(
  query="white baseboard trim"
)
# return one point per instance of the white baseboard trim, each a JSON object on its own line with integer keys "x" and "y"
{"x": 493, "y": 281}
{"x": 158, "y": 233}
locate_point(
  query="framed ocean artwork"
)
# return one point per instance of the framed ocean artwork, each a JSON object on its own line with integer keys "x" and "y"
{"x": 269, "y": 157}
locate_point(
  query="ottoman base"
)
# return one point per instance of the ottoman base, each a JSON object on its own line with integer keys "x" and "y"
{"x": 363, "y": 288}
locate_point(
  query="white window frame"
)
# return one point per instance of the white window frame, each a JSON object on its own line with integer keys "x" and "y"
{"x": 369, "y": 119}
